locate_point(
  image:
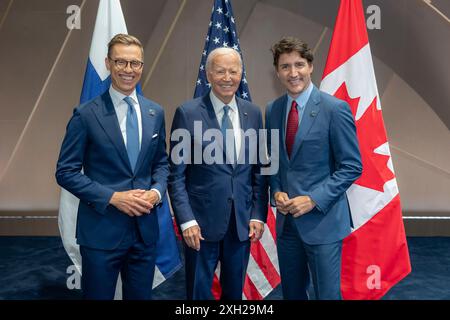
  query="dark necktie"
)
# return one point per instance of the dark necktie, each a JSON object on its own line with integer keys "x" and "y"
{"x": 228, "y": 125}
{"x": 291, "y": 128}
{"x": 132, "y": 129}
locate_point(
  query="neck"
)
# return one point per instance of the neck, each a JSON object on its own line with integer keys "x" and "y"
{"x": 127, "y": 93}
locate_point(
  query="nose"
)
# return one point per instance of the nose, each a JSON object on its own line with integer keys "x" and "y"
{"x": 293, "y": 72}
{"x": 227, "y": 76}
{"x": 128, "y": 67}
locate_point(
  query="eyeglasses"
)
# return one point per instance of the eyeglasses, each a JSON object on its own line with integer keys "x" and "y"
{"x": 122, "y": 64}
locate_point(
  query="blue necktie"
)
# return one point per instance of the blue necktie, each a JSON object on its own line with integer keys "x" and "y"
{"x": 132, "y": 133}
{"x": 228, "y": 125}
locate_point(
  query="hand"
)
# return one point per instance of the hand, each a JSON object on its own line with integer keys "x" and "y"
{"x": 256, "y": 230}
{"x": 280, "y": 199}
{"x": 150, "y": 196}
{"x": 300, "y": 205}
{"x": 130, "y": 202}
{"x": 192, "y": 236}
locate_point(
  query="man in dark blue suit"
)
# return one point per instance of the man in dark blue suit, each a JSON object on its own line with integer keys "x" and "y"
{"x": 113, "y": 158}
{"x": 319, "y": 160}
{"x": 219, "y": 203}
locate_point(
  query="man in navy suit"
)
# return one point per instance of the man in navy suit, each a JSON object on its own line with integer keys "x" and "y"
{"x": 220, "y": 205}
{"x": 113, "y": 158}
{"x": 319, "y": 160}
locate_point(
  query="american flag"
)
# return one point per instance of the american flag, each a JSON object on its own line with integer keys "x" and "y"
{"x": 221, "y": 33}
{"x": 263, "y": 274}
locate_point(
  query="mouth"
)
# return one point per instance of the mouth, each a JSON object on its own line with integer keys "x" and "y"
{"x": 126, "y": 77}
{"x": 226, "y": 86}
{"x": 295, "y": 82}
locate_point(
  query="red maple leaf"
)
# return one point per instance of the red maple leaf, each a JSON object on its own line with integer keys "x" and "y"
{"x": 371, "y": 134}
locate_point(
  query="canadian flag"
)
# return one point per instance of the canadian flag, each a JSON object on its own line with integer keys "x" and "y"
{"x": 375, "y": 255}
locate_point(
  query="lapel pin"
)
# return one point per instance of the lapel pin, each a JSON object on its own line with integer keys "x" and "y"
{"x": 313, "y": 113}
{"x": 151, "y": 112}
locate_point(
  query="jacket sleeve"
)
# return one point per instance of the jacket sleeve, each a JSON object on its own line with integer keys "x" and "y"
{"x": 346, "y": 155}
{"x": 178, "y": 164}
{"x": 160, "y": 167}
{"x": 274, "y": 178}
{"x": 259, "y": 182}
{"x": 69, "y": 167}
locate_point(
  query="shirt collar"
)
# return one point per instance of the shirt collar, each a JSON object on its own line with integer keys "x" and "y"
{"x": 117, "y": 97}
{"x": 218, "y": 104}
{"x": 303, "y": 98}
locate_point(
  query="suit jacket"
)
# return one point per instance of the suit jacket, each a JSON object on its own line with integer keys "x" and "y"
{"x": 325, "y": 161}
{"x": 94, "y": 143}
{"x": 206, "y": 192}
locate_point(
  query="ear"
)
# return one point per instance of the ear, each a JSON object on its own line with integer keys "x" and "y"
{"x": 107, "y": 64}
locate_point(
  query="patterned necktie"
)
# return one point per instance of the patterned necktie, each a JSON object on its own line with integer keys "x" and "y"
{"x": 228, "y": 125}
{"x": 132, "y": 133}
{"x": 291, "y": 128}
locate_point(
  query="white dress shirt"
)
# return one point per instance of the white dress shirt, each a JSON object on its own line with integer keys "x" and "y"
{"x": 234, "y": 117}
{"x": 233, "y": 114}
{"x": 121, "y": 108}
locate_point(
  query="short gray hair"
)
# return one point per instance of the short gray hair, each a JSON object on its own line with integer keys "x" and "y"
{"x": 221, "y": 51}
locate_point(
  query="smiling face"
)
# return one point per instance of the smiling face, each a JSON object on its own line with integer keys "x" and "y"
{"x": 224, "y": 75}
{"x": 124, "y": 79}
{"x": 294, "y": 73}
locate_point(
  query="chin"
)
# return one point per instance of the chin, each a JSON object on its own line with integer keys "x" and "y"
{"x": 298, "y": 91}
{"x": 128, "y": 88}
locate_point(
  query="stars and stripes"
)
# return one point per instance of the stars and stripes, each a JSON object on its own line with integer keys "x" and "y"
{"x": 221, "y": 33}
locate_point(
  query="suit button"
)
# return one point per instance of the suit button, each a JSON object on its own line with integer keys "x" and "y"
{"x": 230, "y": 200}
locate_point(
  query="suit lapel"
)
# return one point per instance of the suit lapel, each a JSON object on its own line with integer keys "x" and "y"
{"x": 209, "y": 115}
{"x": 243, "y": 121}
{"x": 106, "y": 116}
{"x": 309, "y": 116}
{"x": 148, "y": 123}
{"x": 280, "y": 111}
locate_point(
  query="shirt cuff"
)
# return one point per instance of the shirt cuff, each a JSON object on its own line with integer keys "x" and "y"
{"x": 257, "y": 220}
{"x": 188, "y": 224}
{"x": 159, "y": 195}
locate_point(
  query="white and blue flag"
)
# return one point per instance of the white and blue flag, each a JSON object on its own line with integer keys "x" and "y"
{"x": 109, "y": 22}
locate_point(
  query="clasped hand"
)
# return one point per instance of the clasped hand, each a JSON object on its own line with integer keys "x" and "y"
{"x": 297, "y": 206}
{"x": 135, "y": 202}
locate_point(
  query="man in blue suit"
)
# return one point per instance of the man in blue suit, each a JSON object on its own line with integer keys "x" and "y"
{"x": 219, "y": 205}
{"x": 319, "y": 160}
{"x": 113, "y": 158}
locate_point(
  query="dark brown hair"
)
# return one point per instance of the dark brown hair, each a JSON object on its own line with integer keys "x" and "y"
{"x": 288, "y": 45}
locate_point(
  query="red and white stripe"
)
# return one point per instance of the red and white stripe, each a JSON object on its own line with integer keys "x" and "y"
{"x": 263, "y": 273}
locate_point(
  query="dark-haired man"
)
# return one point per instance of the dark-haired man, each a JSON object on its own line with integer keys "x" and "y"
{"x": 319, "y": 160}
